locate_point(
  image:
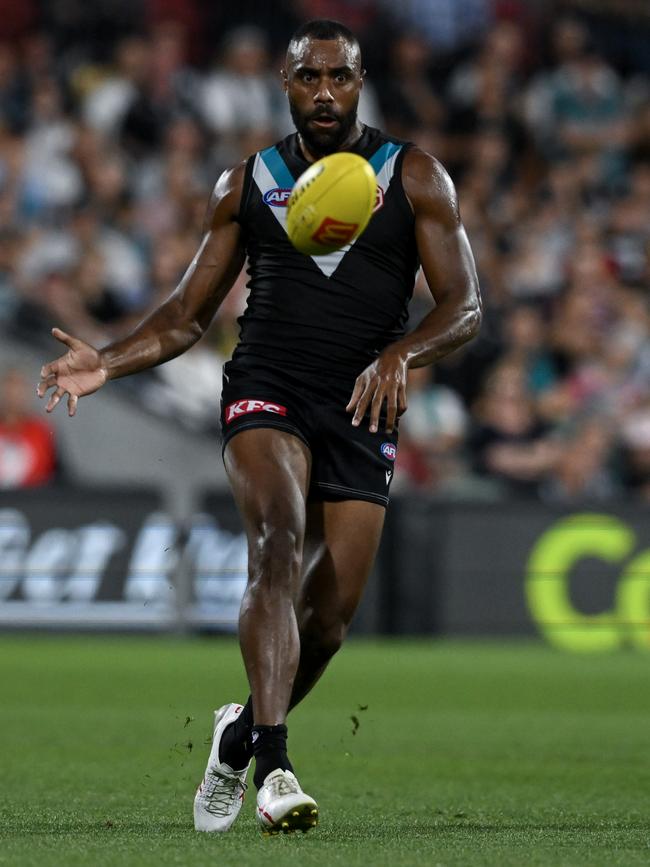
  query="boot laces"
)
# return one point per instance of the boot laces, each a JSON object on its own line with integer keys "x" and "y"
{"x": 221, "y": 791}
{"x": 283, "y": 785}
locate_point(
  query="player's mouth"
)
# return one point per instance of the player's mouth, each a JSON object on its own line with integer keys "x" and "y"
{"x": 325, "y": 121}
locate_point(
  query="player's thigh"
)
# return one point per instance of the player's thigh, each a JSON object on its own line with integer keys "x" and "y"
{"x": 341, "y": 542}
{"x": 269, "y": 472}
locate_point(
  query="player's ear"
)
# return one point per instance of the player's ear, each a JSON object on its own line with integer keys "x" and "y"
{"x": 285, "y": 80}
{"x": 362, "y": 76}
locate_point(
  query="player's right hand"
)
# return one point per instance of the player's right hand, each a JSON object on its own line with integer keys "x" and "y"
{"x": 77, "y": 373}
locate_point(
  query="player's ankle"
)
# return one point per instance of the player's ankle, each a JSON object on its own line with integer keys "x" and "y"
{"x": 270, "y": 751}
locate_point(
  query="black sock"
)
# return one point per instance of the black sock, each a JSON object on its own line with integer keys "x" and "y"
{"x": 270, "y": 751}
{"x": 236, "y": 747}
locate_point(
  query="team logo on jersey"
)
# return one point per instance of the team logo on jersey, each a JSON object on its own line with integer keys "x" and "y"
{"x": 389, "y": 451}
{"x": 379, "y": 199}
{"x": 245, "y": 406}
{"x": 277, "y": 197}
{"x": 333, "y": 231}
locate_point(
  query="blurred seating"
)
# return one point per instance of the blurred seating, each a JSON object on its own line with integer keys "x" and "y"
{"x": 109, "y": 149}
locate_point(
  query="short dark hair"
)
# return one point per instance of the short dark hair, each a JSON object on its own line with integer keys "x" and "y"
{"x": 325, "y": 29}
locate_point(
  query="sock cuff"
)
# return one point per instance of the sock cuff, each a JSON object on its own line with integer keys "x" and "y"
{"x": 270, "y": 730}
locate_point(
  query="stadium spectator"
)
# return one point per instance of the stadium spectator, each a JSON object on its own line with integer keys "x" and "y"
{"x": 446, "y": 25}
{"x": 28, "y": 455}
{"x": 578, "y": 108}
{"x": 432, "y": 433}
{"x": 240, "y": 94}
{"x": 581, "y": 470}
{"x": 105, "y": 106}
{"x": 510, "y": 442}
{"x": 408, "y": 101}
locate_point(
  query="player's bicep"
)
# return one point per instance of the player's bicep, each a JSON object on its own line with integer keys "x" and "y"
{"x": 442, "y": 242}
{"x": 447, "y": 261}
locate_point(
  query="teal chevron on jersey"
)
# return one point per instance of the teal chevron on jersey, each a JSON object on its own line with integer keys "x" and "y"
{"x": 381, "y": 156}
{"x": 277, "y": 167}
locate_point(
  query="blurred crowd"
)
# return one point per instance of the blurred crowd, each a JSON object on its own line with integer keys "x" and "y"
{"x": 116, "y": 120}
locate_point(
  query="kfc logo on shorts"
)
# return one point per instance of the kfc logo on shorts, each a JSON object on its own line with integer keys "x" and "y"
{"x": 277, "y": 197}
{"x": 389, "y": 451}
{"x": 245, "y": 406}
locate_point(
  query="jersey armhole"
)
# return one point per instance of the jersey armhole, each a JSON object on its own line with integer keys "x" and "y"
{"x": 403, "y": 199}
{"x": 246, "y": 191}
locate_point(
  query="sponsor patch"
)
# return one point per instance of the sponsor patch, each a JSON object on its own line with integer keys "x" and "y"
{"x": 247, "y": 405}
{"x": 277, "y": 197}
{"x": 333, "y": 231}
{"x": 379, "y": 199}
{"x": 389, "y": 451}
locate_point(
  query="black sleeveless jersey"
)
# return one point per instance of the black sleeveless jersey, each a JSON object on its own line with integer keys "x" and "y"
{"x": 323, "y": 319}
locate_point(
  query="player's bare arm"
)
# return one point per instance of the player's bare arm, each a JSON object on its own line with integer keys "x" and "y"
{"x": 449, "y": 268}
{"x": 173, "y": 327}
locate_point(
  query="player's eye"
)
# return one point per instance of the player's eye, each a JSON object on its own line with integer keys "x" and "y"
{"x": 341, "y": 78}
{"x": 307, "y": 77}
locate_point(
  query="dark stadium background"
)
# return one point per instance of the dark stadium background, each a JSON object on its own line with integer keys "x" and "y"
{"x": 523, "y": 477}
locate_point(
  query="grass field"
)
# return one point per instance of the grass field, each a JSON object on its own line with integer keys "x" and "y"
{"x": 466, "y": 754}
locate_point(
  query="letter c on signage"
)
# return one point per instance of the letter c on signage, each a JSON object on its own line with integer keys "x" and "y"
{"x": 547, "y": 585}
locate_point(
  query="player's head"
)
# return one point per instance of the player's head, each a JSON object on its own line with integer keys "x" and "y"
{"x": 322, "y": 78}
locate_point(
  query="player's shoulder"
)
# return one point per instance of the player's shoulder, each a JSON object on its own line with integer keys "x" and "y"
{"x": 425, "y": 169}
{"x": 428, "y": 185}
{"x": 418, "y": 166}
{"x": 225, "y": 199}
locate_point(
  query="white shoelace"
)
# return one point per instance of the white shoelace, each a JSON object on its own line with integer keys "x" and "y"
{"x": 220, "y": 792}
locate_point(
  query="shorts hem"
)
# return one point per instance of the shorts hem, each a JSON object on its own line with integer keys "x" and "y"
{"x": 342, "y": 492}
{"x": 263, "y": 423}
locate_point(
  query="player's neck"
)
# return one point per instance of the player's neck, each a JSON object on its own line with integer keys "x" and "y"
{"x": 312, "y": 156}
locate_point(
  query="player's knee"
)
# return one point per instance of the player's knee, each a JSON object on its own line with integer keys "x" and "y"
{"x": 275, "y": 556}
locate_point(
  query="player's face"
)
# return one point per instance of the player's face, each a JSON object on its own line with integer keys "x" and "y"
{"x": 322, "y": 80}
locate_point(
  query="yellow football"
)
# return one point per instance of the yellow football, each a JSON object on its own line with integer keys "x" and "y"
{"x": 331, "y": 203}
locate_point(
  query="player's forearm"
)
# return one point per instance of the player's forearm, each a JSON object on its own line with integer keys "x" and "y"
{"x": 163, "y": 335}
{"x": 440, "y": 332}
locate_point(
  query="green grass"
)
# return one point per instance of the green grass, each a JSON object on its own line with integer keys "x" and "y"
{"x": 467, "y": 754}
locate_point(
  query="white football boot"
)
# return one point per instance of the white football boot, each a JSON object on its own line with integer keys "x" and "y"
{"x": 220, "y": 795}
{"x": 283, "y": 807}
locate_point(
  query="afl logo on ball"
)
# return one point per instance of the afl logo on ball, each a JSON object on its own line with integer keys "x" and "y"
{"x": 277, "y": 197}
{"x": 389, "y": 451}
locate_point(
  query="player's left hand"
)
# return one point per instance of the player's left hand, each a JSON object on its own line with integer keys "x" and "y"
{"x": 382, "y": 381}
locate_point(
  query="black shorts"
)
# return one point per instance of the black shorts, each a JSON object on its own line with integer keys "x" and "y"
{"x": 348, "y": 462}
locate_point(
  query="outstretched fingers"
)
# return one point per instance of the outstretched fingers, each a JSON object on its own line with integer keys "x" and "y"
{"x": 70, "y": 341}
{"x": 47, "y": 381}
{"x": 55, "y": 397}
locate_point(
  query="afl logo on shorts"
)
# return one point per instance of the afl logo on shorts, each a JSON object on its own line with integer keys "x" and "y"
{"x": 277, "y": 197}
{"x": 389, "y": 451}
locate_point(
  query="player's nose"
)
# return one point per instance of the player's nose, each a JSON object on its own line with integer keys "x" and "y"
{"x": 323, "y": 94}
